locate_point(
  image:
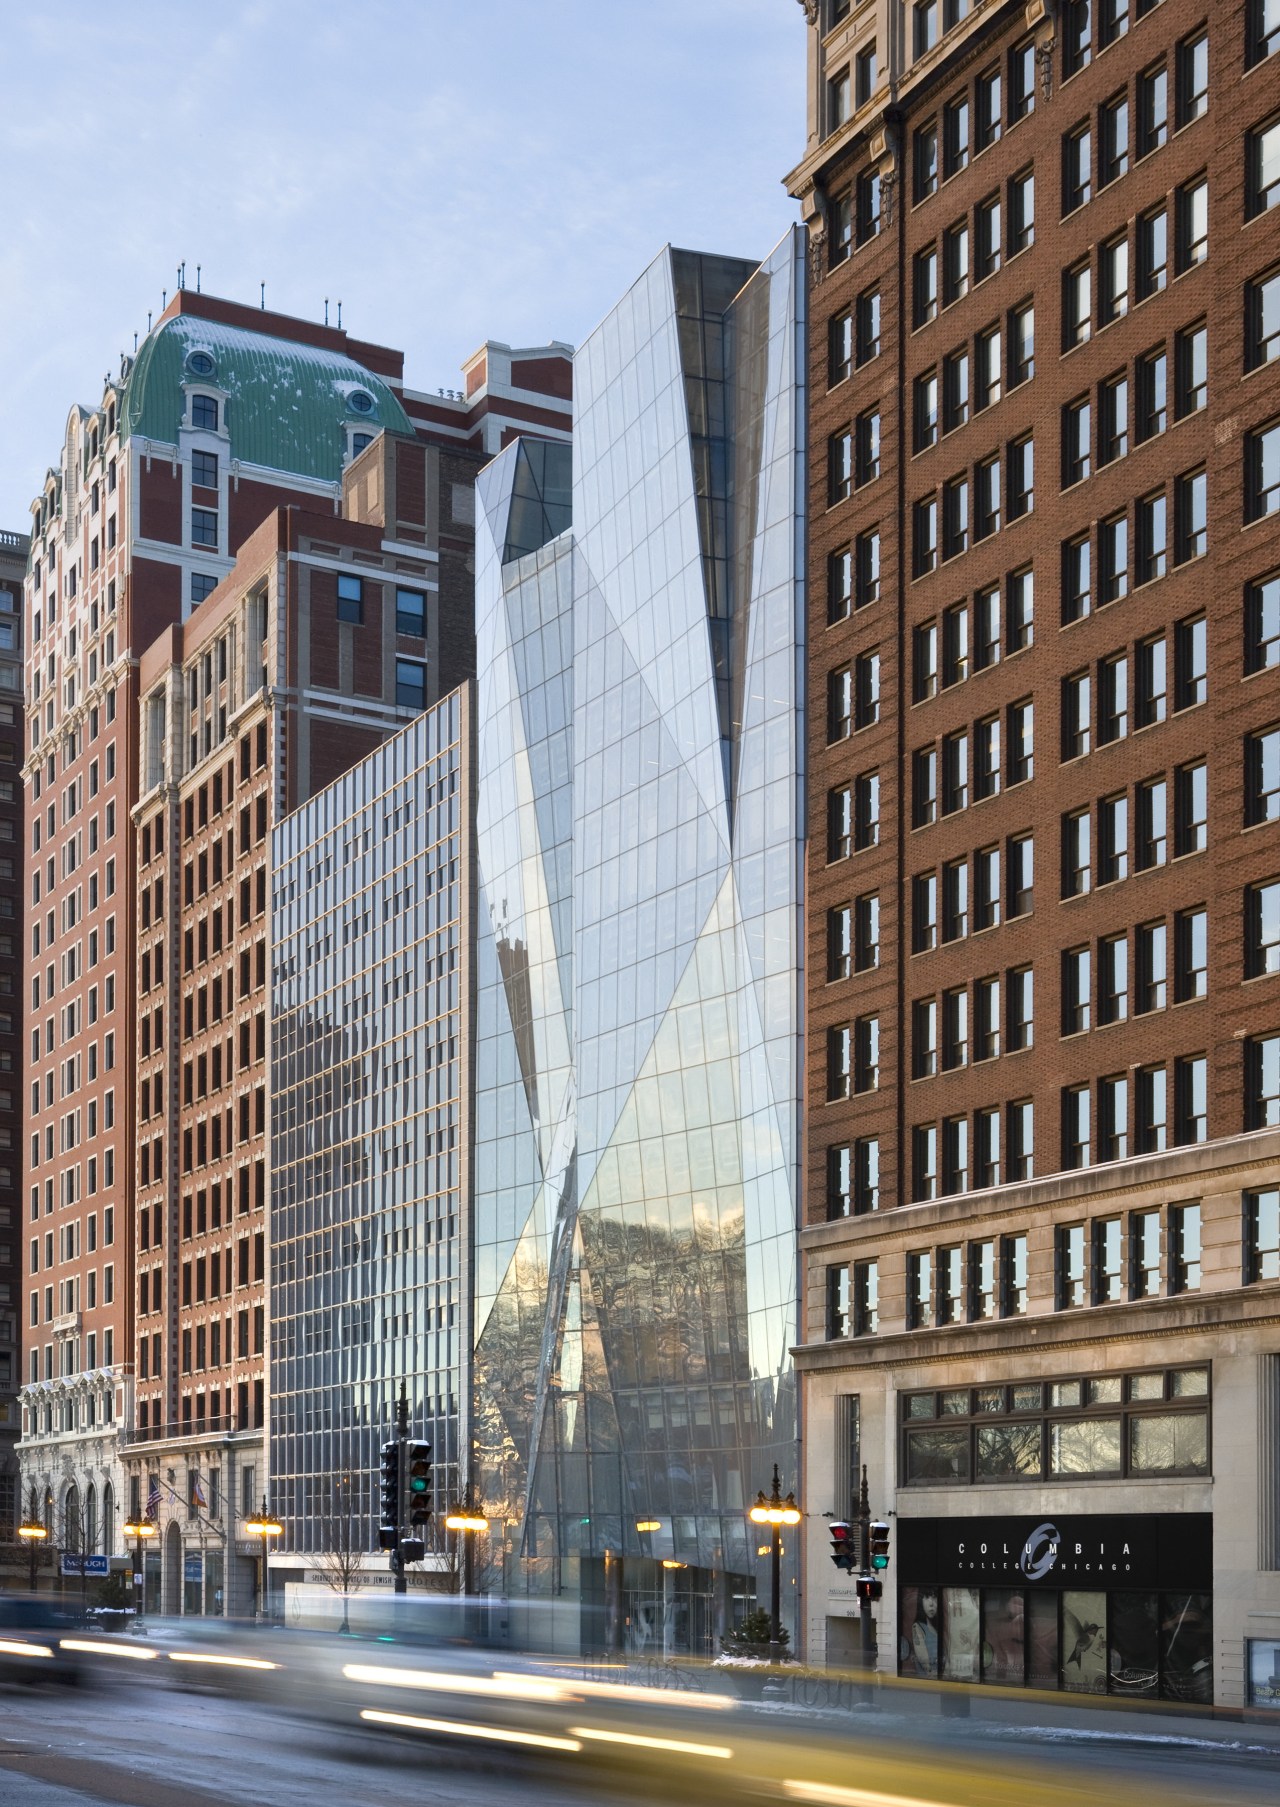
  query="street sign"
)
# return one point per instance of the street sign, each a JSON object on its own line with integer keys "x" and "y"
{"x": 84, "y": 1565}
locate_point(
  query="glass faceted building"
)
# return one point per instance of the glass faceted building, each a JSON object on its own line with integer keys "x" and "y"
{"x": 640, "y": 735}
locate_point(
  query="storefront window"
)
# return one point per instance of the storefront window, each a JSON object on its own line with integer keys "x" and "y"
{"x": 961, "y": 1628}
{"x": 1264, "y": 1672}
{"x": 1084, "y": 1642}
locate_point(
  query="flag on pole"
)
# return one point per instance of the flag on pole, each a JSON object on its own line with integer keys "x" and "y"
{"x": 153, "y": 1497}
{"x": 197, "y": 1491}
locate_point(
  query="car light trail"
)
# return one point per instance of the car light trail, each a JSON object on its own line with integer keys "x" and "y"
{"x": 12, "y": 1647}
{"x": 221, "y": 1662}
{"x": 829, "y": 1794}
{"x": 457, "y": 1729}
{"x": 499, "y": 1687}
{"x": 667, "y": 1697}
{"x": 90, "y": 1647}
{"x": 679, "y": 1746}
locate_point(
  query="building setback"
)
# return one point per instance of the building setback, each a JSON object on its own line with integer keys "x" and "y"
{"x": 371, "y": 1056}
{"x": 13, "y": 561}
{"x": 181, "y": 470}
{"x": 1043, "y": 1243}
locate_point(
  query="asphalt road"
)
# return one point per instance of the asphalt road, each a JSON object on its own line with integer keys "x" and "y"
{"x": 138, "y": 1746}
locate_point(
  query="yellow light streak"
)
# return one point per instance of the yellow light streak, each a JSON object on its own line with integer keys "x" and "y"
{"x": 92, "y": 1648}
{"x": 678, "y": 1746}
{"x": 14, "y": 1647}
{"x": 667, "y": 1697}
{"x": 828, "y": 1794}
{"x": 502, "y": 1734}
{"x": 500, "y": 1687}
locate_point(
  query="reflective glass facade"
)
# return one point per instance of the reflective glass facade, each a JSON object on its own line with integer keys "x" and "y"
{"x": 369, "y": 1126}
{"x": 640, "y": 740}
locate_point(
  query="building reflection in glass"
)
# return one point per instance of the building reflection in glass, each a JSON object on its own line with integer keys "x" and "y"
{"x": 639, "y": 855}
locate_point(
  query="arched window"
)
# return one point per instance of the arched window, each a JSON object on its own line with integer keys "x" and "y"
{"x": 48, "y": 1510}
{"x": 91, "y": 1520}
{"x": 71, "y": 1525}
{"x": 108, "y": 1520}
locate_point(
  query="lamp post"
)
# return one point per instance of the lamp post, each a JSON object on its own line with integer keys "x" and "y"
{"x": 262, "y": 1525}
{"x": 775, "y": 1512}
{"x": 138, "y": 1529}
{"x": 468, "y": 1523}
{"x": 34, "y": 1534}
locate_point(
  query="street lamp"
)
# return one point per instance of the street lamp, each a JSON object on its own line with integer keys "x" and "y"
{"x": 138, "y": 1528}
{"x": 465, "y": 1520}
{"x": 775, "y": 1512}
{"x": 262, "y": 1525}
{"x": 35, "y": 1534}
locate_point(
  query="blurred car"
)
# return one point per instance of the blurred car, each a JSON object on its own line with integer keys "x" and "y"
{"x": 31, "y": 1641}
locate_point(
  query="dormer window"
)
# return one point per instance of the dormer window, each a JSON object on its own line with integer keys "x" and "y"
{"x": 359, "y": 441}
{"x": 200, "y": 363}
{"x": 204, "y": 412}
{"x": 360, "y": 401}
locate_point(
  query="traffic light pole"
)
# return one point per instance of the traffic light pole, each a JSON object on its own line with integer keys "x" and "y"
{"x": 400, "y": 1580}
{"x": 866, "y": 1641}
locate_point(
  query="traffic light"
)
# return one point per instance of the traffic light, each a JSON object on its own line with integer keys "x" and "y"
{"x": 879, "y": 1544}
{"x": 419, "y": 1455}
{"x": 412, "y": 1549}
{"x": 390, "y": 1520}
{"x": 869, "y": 1588}
{"x": 842, "y": 1550}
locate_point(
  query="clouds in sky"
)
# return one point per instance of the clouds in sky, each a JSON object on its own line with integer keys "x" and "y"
{"x": 453, "y": 170}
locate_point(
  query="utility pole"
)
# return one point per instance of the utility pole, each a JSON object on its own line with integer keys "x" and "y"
{"x": 866, "y": 1641}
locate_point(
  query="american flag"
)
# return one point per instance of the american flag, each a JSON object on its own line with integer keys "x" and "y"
{"x": 197, "y": 1492}
{"x": 153, "y": 1497}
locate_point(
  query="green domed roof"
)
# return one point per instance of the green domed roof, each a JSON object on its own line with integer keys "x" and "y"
{"x": 288, "y": 404}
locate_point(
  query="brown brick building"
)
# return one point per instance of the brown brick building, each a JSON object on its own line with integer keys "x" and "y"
{"x": 229, "y": 599}
{"x": 1044, "y": 929}
{"x": 13, "y": 560}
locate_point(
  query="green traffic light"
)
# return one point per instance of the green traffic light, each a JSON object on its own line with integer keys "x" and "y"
{"x": 879, "y": 1562}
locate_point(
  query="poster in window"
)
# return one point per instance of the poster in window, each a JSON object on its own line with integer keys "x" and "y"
{"x": 1186, "y": 1647}
{"x": 961, "y": 1623}
{"x": 918, "y": 1642}
{"x": 1084, "y": 1642}
{"x": 1003, "y": 1643}
{"x": 1264, "y": 1672}
{"x": 1042, "y": 1640}
{"x": 1134, "y": 1661}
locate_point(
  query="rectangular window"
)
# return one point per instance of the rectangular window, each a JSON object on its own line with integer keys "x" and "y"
{"x": 986, "y": 1022}
{"x": 866, "y": 932}
{"x": 1022, "y": 211}
{"x": 1262, "y": 169}
{"x": 955, "y": 391}
{"x": 1076, "y": 715}
{"x": 1020, "y": 1123}
{"x": 983, "y": 1286}
{"x": 866, "y": 1298}
{"x": 1153, "y": 109}
{"x": 955, "y": 517}
{"x": 988, "y": 369}
{"x": 1263, "y": 29}
{"x": 1113, "y": 1118}
{"x": 1077, "y": 168}
{"x": 204, "y": 469}
{"x": 924, "y": 787}
{"x": 1262, "y": 929}
{"x": 987, "y": 238}
{"x": 1144, "y": 1254}
{"x": 924, "y": 912}
{"x": 1071, "y": 1276}
{"x": 1077, "y": 37}
{"x": 1149, "y": 681}
{"x": 986, "y": 1150}
{"x": 920, "y": 1290}
{"x": 1262, "y": 1235}
{"x": 1020, "y": 610}
{"x": 866, "y": 551}
{"x": 1193, "y": 222}
{"x": 986, "y": 757}
{"x": 1077, "y": 1142}
{"x": 1022, "y": 80}
{"x": 1151, "y": 394}
{"x": 1262, "y": 473}
{"x": 839, "y": 467}
{"x": 1262, "y": 320}
{"x": 351, "y": 599}
{"x": 1077, "y": 579}
{"x": 867, "y": 447}
{"x": 1153, "y": 252}
{"x": 840, "y": 348}
{"x": 1151, "y": 1116}
{"x": 1113, "y": 279}
{"x": 1113, "y": 420}
{"x": 926, "y": 158}
{"x": 866, "y": 1054}
{"x": 1021, "y": 993}
{"x": 955, "y": 136}
{"x": 1077, "y": 441}
{"x": 1021, "y": 477}
{"x": 986, "y": 628}
{"x": 204, "y": 527}
{"x": 1191, "y": 366}
{"x": 840, "y": 230}
{"x": 866, "y": 811}
{"x": 1262, "y": 777}
{"x": 867, "y": 206}
{"x": 1262, "y": 1082}
{"x": 867, "y": 335}
{"x": 924, "y": 1038}
{"x": 955, "y": 262}
{"x": 955, "y": 900}
{"x": 1013, "y": 1276}
{"x": 839, "y": 823}
{"x": 1151, "y": 828}
{"x": 1151, "y": 538}
{"x": 924, "y": 286}
{"x": 1191, "y": 1099}
{"x": 1184, "y": 1248}
{"x": 1113, "y": 979}
{"x": 839, "y": 584}
{"x": 1077, "y": 305}
{"x": 839, "y": 704}
{"x": 1191, "y": 662}
{"x": 1193, "y": 77}
{"x": 988, "y": 109}
{"x": 1022, "y": 344}
{"x": 839, "y": 1061}
{"x": 955, "y": 1028}
{"x": 955, "y": 1156}
{"x": 1113, "y": 839}
{"x": 987, "y": 499}
{"x": 1075, "y": 990}
{"x": 955, "y": 773}
{"x": 866, "y": 75}
{"x": 1107, "y": 1273}
{"x": 925, "y": 535}
{"x": 839, "y": 942}
{"x": 1113, "y": 140}
{"x": 1021, "y": 862}
{"x": 950, "y": 1285}
{"x": 837, "y": 1301}
{"x": 925, "y": 411}
{"x": 411, "y": 684}
{"x": 924, "y": 1162}
{"x": 1113, "y": 699}
{"x": 986, "y": 888}
{"x": 411, "y": 613}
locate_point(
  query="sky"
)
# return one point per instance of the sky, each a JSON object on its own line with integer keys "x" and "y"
{"x": 452, "y": 170}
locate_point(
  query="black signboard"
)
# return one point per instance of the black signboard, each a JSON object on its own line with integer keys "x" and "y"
{"x": 1102, "y": 1550}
